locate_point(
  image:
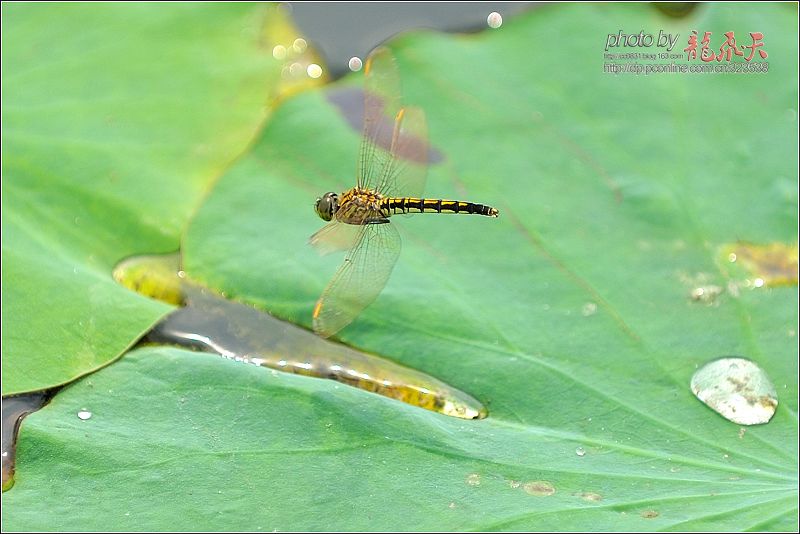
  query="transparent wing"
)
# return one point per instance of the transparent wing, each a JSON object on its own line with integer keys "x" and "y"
{"x": 335, "y": 236}
{"x": 381, "y": 104}
{"x": 359, "y": 280}
{"x": 394, "y": 147}
{"x": 407, "y": 167}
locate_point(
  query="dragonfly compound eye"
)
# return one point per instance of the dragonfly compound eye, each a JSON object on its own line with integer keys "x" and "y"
{"x": 327, "y": 206}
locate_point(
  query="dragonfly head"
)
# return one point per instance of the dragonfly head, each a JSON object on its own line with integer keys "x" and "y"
{"x": 327, "y": 205}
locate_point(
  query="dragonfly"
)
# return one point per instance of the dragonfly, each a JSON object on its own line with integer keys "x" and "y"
{"x": 390, "y": 178}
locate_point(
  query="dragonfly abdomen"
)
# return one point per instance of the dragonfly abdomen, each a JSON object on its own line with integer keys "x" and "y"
{"x": 390, "y": 206}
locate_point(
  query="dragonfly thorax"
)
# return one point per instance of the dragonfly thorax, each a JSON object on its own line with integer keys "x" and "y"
{"x": 327, "y": 205}
{"x": 360, "y": 206}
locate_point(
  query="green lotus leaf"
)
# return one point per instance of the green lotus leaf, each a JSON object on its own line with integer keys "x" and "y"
{"x": 117, "y": 119}
{"x": 575, "y": 317}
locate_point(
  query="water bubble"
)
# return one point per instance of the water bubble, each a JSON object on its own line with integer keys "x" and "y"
{"x": 295, "y": 69}
{"x": 737, "y": 389}
{"x": 707, "y": 294}
{"x": 474, "y": 479}
{"x": 279, "y": 52}
{"x": 355, "y": 64}
{"x": 580, "y": 451}
{"x": 732, "y": 257}
{"x": 539, "y": 488}
{"x": 314, "y": 71}
{"x": 299, "y": 45}
{"x": 83, "y": 415}
{"x": 494, "y": 20}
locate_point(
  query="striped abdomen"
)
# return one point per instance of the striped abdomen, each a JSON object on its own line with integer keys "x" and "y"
{"x": 390, "y": 206}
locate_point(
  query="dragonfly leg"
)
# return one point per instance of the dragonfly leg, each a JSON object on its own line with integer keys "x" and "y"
{"x": 376, "y": 220}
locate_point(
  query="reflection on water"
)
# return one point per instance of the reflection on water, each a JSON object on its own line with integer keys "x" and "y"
{"x": 210, "y": 323}
{"x": 14, "y": 409}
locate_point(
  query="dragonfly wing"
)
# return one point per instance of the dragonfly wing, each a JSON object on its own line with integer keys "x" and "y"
{"x": 359, "y": 280}
{"x": 381, "y": 104}
{"x": 394, "y": 147}
{"x": 335, "y": 236}
{"x": 407, "y": 167}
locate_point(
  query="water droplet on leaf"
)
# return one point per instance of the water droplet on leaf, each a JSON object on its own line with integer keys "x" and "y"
{"x": 355, "y": 64}
{"x": 494, "y": 20}
{"x": 737, "y": 389}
